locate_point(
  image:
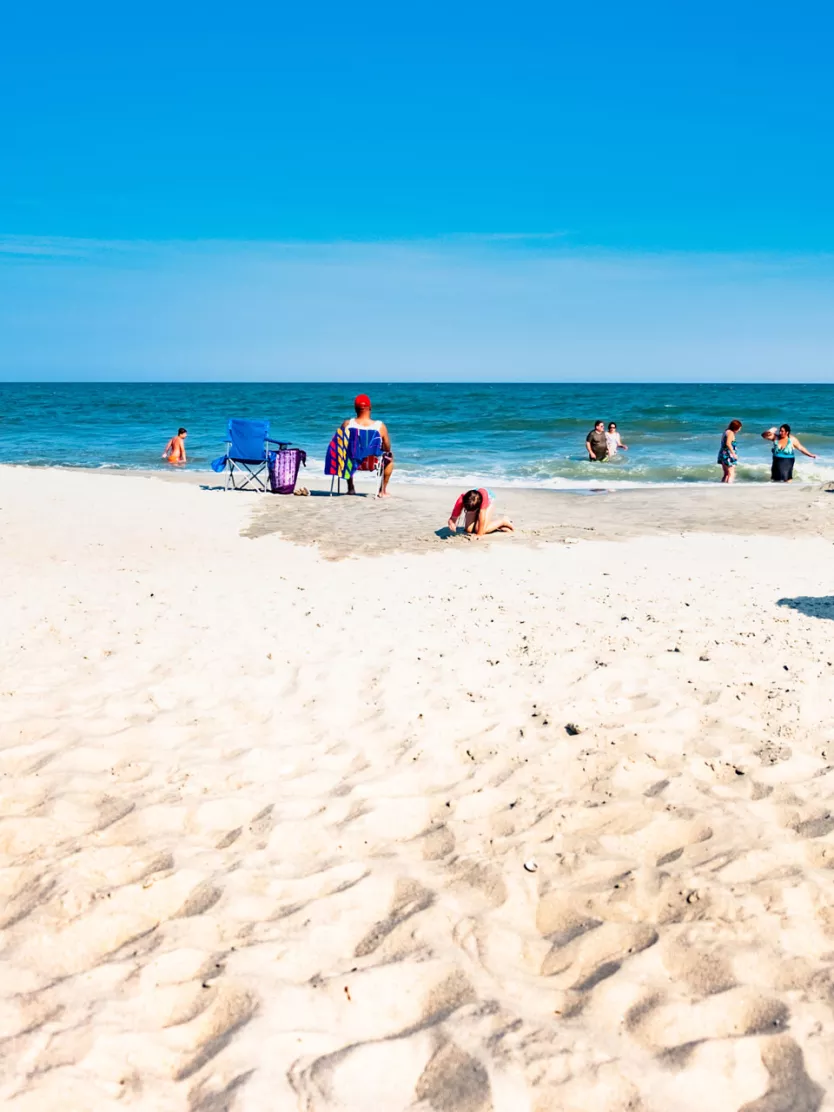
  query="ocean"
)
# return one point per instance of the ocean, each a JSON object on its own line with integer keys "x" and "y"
{"x": 501, "y": 434}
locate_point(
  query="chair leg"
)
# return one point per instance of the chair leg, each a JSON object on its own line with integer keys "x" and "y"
{"x": 254, "y": 480}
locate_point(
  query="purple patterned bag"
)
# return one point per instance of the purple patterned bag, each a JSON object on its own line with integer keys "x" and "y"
{"x": 283, "y": 469}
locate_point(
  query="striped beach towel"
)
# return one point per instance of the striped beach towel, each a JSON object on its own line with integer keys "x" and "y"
{"x": 338, "y": 460}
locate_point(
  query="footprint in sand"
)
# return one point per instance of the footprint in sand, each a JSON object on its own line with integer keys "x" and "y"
{"x": 199, "y": 1040}
{"x": 790, "y": 1089}
{"x": 438, "y": 842}
{"x": 410, "y": 898}
{"x": 118, "y": 918}
{"x": 704, "y": 972}
{"x": 454, "y": 1081}
{"x": 815, "y": 825}
{"x": 596, "y": 954}
{"x": 730, "y": 1014}
{"x": 375, "y": 1075}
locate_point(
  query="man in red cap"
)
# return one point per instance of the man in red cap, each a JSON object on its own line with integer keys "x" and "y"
{"x": 362, "y": 420}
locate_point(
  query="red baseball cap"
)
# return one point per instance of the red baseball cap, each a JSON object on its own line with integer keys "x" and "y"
{"x": 362, "y": 401}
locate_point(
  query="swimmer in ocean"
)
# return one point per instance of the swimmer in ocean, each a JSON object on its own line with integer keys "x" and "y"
{"x": 175, "y": 448}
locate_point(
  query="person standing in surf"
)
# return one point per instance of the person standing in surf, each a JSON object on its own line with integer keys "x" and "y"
{"x": 175, "y": 448}
{"x": 595, "y": 443}
{"x": 727, "y": 453}
{"x": 614, "y": 441}
{"x": 785, "y": 447}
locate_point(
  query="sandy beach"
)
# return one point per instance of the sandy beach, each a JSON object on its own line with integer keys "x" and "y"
{"x": 306, "y": 806}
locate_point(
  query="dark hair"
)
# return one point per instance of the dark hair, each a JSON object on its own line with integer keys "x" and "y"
{"x": 472, "y": 500}
{"x": 735, "y": 425}
{"x": 181, "y": 432}
{"x": 598, "y": 423}
{"x": 612, "y": 424}
{"x": 787, "y": 428}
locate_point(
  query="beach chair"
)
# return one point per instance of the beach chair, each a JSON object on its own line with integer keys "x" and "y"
{"x": 354, "y": 451}
{"x": 247, "y": 454}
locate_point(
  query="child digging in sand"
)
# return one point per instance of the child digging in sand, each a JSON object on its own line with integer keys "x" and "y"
{"x": 480, "y": 517}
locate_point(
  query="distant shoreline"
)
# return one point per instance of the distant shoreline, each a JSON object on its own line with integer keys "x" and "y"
{"x": 197, "y": 474}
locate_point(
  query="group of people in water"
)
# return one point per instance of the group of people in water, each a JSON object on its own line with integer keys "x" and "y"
{"x": 784, "y": 446}
{"x": 602, "y": 444}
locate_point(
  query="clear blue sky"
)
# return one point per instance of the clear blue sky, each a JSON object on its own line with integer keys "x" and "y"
{"x": 627, "y": 130}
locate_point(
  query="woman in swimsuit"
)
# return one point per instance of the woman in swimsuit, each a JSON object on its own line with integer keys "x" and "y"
{"x": 785, "y": 447}
{"x": 727, "y": 454}
{"x": 175, "y": 448}
{"x": 614, "y": 441}
{"x": 479, "y": 519}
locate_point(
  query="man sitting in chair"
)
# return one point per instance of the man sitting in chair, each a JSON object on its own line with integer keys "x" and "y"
{"x": 362, "y": 420}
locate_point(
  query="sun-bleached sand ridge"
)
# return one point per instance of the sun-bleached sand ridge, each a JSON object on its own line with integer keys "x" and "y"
{"x": 266, "y": 816}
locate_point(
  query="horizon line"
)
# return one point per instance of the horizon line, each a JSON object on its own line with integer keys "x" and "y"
{"x": 405, "y": 382}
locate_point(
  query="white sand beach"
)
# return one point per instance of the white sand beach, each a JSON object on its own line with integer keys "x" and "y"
{"x": 512, "y": 825}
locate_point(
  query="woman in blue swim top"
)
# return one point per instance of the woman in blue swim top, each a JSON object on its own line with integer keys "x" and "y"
{"x": 785, "y": 448}
{"x": 727, "y": 453}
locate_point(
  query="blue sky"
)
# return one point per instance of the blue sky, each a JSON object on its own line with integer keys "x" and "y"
{"x": 417, "y": 191}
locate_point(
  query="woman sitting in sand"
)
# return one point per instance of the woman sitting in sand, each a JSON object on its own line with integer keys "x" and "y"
{"x": 175, "y": 448}
{"x": 480, "y": 517}
{"x": 785, "y": 448}
{"x": 727, "y": 454}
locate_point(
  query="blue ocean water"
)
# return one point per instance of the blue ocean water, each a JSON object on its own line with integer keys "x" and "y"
{"x": 532, "y": 435}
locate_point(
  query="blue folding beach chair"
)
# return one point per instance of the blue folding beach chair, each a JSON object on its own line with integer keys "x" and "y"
{"x": 247, "y": 454}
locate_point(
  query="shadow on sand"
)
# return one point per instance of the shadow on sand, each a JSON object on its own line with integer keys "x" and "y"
{"x": 252, "y": 490}
{"x": 822, "y": 607}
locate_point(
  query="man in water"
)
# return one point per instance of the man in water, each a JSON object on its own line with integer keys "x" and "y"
{"x": 175, "y": 448}
{"x": 362, "y": 420}
{"x": 595, "y": 443}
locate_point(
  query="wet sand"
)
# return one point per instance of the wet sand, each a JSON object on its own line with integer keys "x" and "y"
{"x": 414, "y": 518}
